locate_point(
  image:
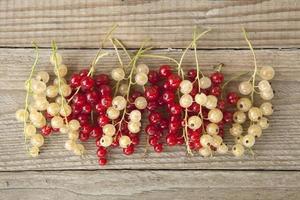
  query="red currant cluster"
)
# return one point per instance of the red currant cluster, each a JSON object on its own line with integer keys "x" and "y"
{"x": 183, "y": 109}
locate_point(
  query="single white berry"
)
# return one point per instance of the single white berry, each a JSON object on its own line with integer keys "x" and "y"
{"x": 141, "y": 78}
{"x": 186, "y": 101}
{"x": 238, "y": 150}
{"x": 140, "y": 103}
{"x": 112, "y": 113}
{"x": 118, "y": 74}
{"x": 135, "y": 116}
{"x": 205, "y": 82}
{"x": 267, "y": 73}
{"x": 142, "y": 68}
{"x": 119, "y": 103}
{"x": 248, "y": 140}
{"x": 194, "y": 122}
{"x": 124, "y": 141}
{"x": 215, "y": 115}
{"x": 245, "y": 88}
{"x": 201, "y": 99}
{"x": 109, "y": 130}
{"x": 186, "y": 86}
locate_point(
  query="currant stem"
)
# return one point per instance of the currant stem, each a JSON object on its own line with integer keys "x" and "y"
{"x": 28, "y": 85}
{"x": 185, "y": 134}
{"x": 254, "y": 60}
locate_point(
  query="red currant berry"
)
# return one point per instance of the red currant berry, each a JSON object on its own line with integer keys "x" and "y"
{"x": 221, "y": 104}
{"x": 158, "y": 148}
{"x": 192, "y": 74}
{"x": 87, "y": 83}
{"x": 101, "y": 152}
{"x": 171, "y": 140}
{"x": 102, "y": 120}
{"x": 174, "y": 81}
{"x": 168, "y": 96}
{"x": 175, "y": 109}
{"x": 228, "y": 117}
{"x": 92, "y": 97}
{"x": 195, "y": 108}
{"x": 154, "y": 117}
{"x": 104, "y": 90}
{"x": 165, "y": 71}
{"x": 153, "y": 141}
{"x": 151, "y": 129}
{"x": 87, "y": 109}
{"x": 135, "y": 140}
{"x": 101, "y": 79}
{"x": 79, "y": 99}
{"x": 129, "y": 150}
{"x": 232, "y": 98}
{"x": 75, "y": 80}
{"x": 84, "y": 72}
{"x": 153, "y": 77}
{"x": 83, "y": 119}
{"x": 152, "y": 105}
{"x": 164, "y": 123}
{"x": 217, "y": 78}
{"x": 96, "y": 132}
{"x": 102, "y": 161}
{"x": 106, "y": 101}
{"x": 46, "y": 130}
{"x": 83, "y": 137}
{"x": 215, "y": 90}
{"x": 151, "y": 93}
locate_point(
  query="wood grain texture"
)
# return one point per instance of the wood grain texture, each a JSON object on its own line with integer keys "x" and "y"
{"x": 150, "y": 184}
{"x": 279, "y": 148}
{"x": 169, "y": 23}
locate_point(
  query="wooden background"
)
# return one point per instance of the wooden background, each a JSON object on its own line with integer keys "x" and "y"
{"x": 79, "y": 25}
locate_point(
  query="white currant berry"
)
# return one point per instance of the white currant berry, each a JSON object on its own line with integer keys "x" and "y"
{"x": 60, "y": 80}
{"x": 215, "y": 115}
{"x": 266, "y": 108}
{"x": 38, "y": 87}
{"x": 41, "y": 104}
{"x": 106, "y": 140}
{"x": 222, "y": 149}
{"x": 118, "y": 74}
{"x": 64, "y": 129}
{"x": 268, "y": 95}
{"x": 124, "y": 141}
{"x": 134, "y": 127}
{"x": 52, "y": 91}
{"x": 186, "y": 86}
{"x": 186, "y": 100}
{"x": 245, "y": 88}
{"x": 109, "y": 130}
{"x": 135, "y": 116}
{"x": 29, "y": 130}
{"x": 238, "y": 139}
{"x": 65, "y": 110}
{"x": 194, "y": 122}
{"x": 74, "y": 125}
{"x": 36, "y": 116}
{"x": 239, "y": 117}
{"x": 201, "y": 99}
{"x": 56, "y": 59}
{"x": 255, "y": 130}
{"x": 205, "y": 151}
{"x": 142, "y": 68}
{"x": 22, "y": 115}
{"x": 238, "y": 150}
{"x": 206, "y": 140}
{"x": 70, "y": 145}
{"x": 40, "y": 124}
{"x": 119, "y": 103}
{"x": 140, "y": 103}
{"x": 123, "y": 89}
{"x": 61, "y": 70}
{"x": 57, "y": 122}
{"x": 78, "y": 149}
{"x": 236, "y": 129}
{"x": 264, "y": 85}
{"x": 244, "y": 104}
{"x": 267, "y": 73}
{"x": 217, "y": 140}
{"x": 141, "y": 78}
{"x": 211, "y": 102}
{"x": 264, "y": 123}
{"x": 212, "y": 129}
{"x": 255, "y": 114}
{"x": 37, "y": 140}
{"x": 73, "y": 135}
{"x": 53, "y": 109}
{"x": 43, "y": 76}
{"x": 34, "y": 151}
{"x": 112, "y": 113}
{"x": 248, "y": 140}
{"x": 205, "y": 82}
{"x": 65, "y": 90}
{"x": 59, "y": 100}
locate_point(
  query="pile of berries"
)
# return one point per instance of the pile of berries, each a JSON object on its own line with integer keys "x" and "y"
{"x": 182, "y": 109}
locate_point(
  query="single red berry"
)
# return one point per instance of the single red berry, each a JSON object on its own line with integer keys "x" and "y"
{"x": 84, "y": 72}
{"x": 102, "y": 161}
{"x": 83, "y": 137}
{"x": 151, "y": 93}
{"x": 106, "y": 101}
{"x": 165, "y": 71}
{"x": 221, "y": 104}
{"x": 168, "y": 96}
{"x": 171, "y": 140}
{"x": 154, "y": 117}
{"x": 192, "y": 74}
{"x": 46, "y": 130}
{"x": 83, "y": 119}
{"x": 135, "y": 140}
{"x": 164, "y": 123}
{"x": 75, "y": 80}
{"x": 87, "y": 83}
{"x": 105, "y": 90}
{"x": 86, "y": 129}
{"x": 129, "y": 150}
{"x": 195, "y": 108}
{"x": 152, "y": 105}
{"x": 228, "y": 117}
{"x": 103, "y": 120}
{"x": 232, "y": 98}
{"x": 101, "y": 79}
{"x": 87, "y": 108}
{"x": 215, "y": 90}
{"x": 217, "y": 78}
{"x": 101, "y": 152}
{"x": 96, "y": 132}
{"x": 175, "y": 109}
{"x": 151, "y": 129}
{"x": 153, "y": 140}
{"x": 79, "y": 99}
{"x": 92, "y": 97}
{"x": 174, "y": 81}
{"x": 158, "y": 148}
{"x": 153, "y": 77}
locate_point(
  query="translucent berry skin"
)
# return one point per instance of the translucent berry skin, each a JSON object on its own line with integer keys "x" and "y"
{"x": 192, "y": 74}
{"x": 175, "y": 109}
{"x": 46, "y": 130}
{"x": 83, "y": 72}
{"x": 101, "y": 152}
{"x": 171, "y": 140}
{"x": 151, "y": 93}
{"x": 92, "y": 97}
{"x": 102, "y": 161}
{"x": 153, "y": 77}
{"x": 217, "y": 78}
{"x": 87, "y": 83}
{"x": 154, "y": 117}
{"x": 103, "y": 120}
{"x": 129, "y": 150}
{"x": 232, "y": 98}
{"x": 158, "y": 148}
{"x": 75, "y": 80}
{"x": 168, "y": 96}
{"x": 228, "y": 117}
{"x": 165, "y": 71}
{"x": 215, "y": 90}
{"x": 174, "y": 81}
{"x": 101, "y": 79}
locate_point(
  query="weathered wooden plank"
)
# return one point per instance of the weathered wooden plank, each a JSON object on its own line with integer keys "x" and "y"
{"x": 78, "y": 23}
{"x": 279, "y": 148}
{"x": 150, "y": 184}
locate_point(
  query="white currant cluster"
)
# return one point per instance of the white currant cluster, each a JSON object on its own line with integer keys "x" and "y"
{"x": 256, "y": 115}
